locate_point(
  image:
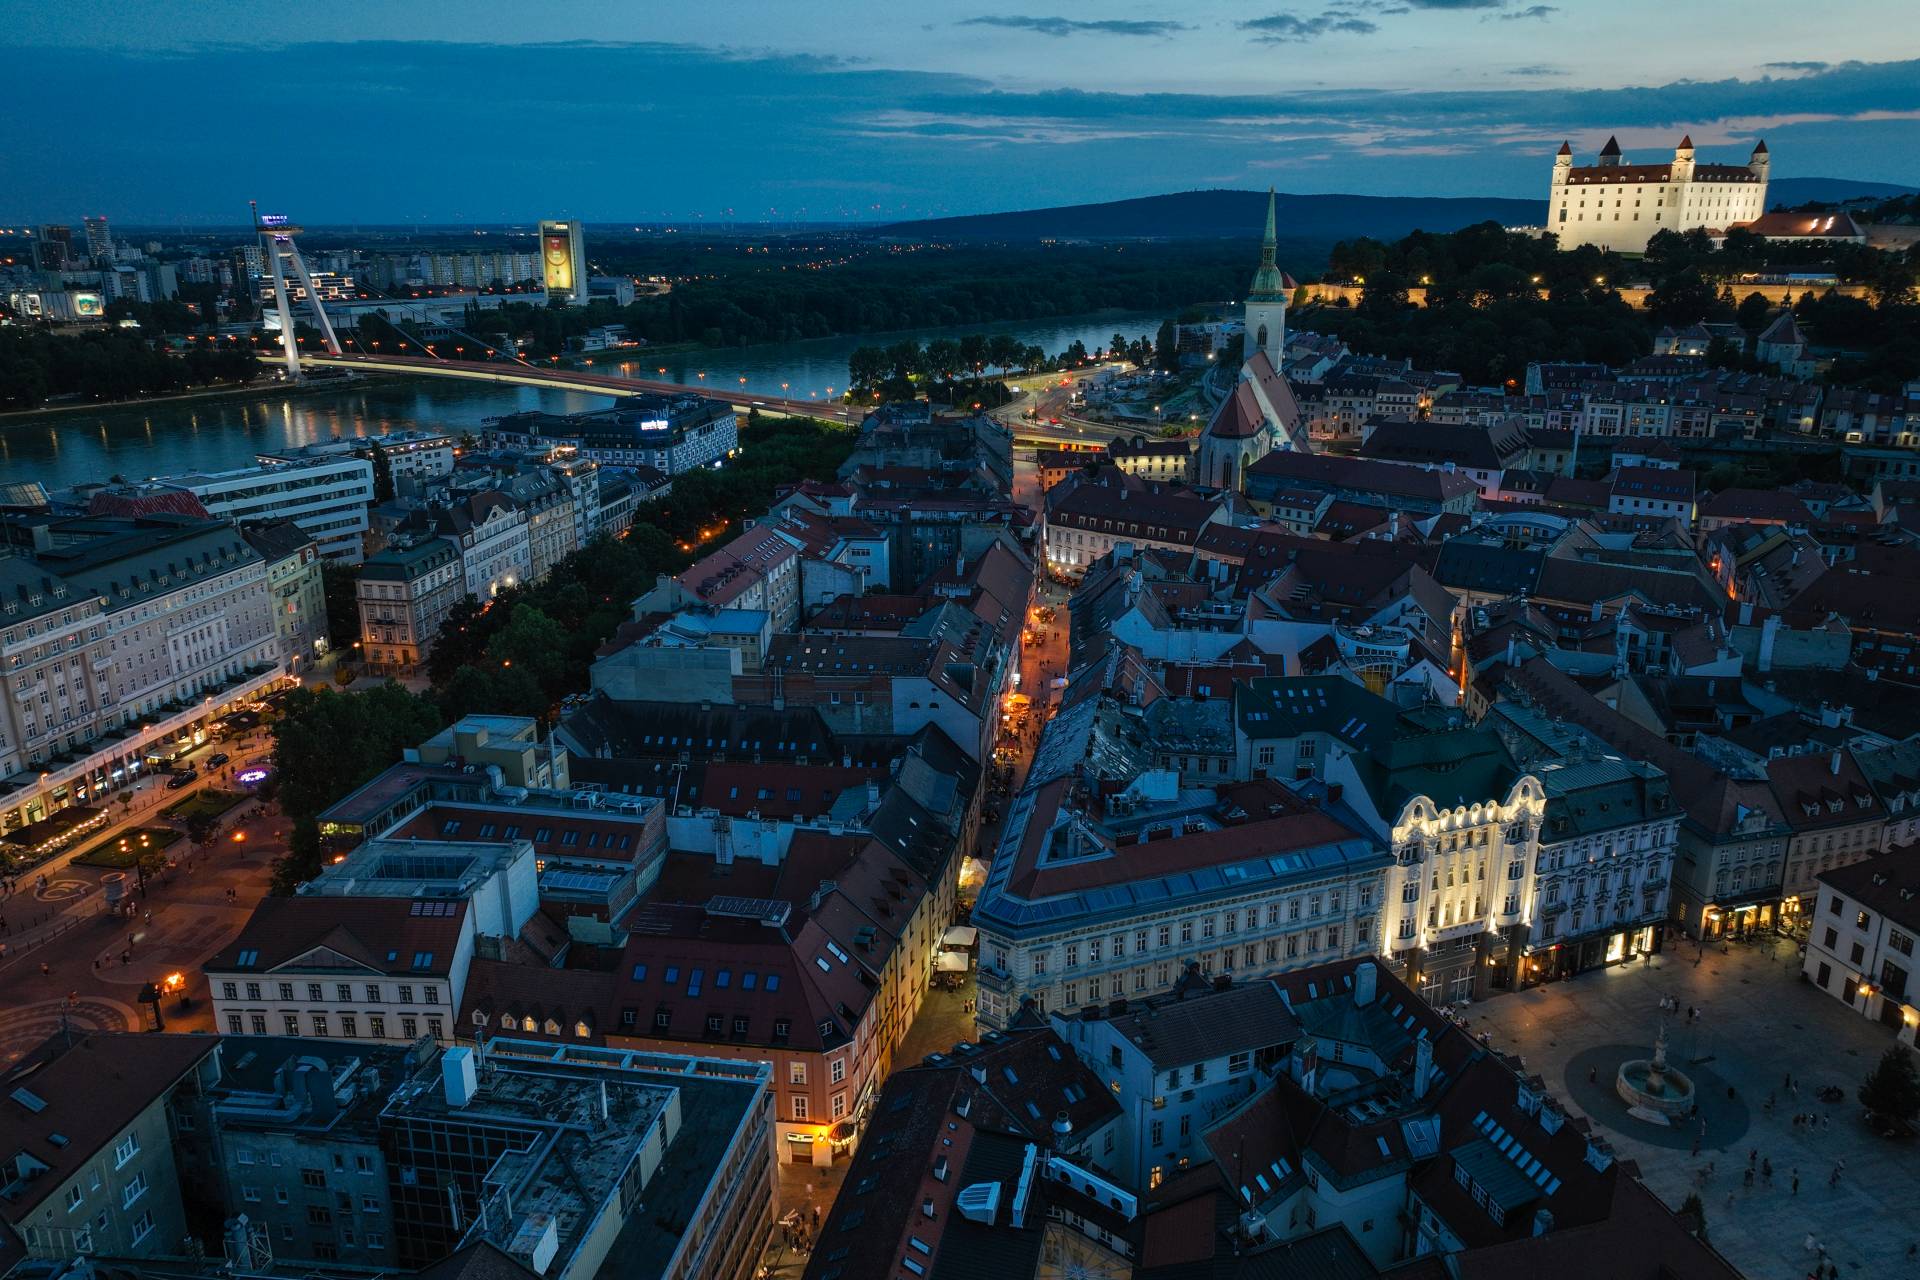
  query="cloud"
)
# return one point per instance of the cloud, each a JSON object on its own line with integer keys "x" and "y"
{"x": 1540, "y": 11}
{"x": 1537, "y": 69}
{"x": 1054, "y": 26}
{"x": 861, "y": 141}
{"x": 1291, "y": 28}
{"x": 1795, "y": 66}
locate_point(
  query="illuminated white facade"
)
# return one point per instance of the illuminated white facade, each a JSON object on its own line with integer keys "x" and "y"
{"x": 1460, "y": 873}
{"x": 1620, "y": 206}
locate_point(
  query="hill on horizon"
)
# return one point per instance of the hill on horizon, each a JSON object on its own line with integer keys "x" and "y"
{"x": 1239, "y": 214}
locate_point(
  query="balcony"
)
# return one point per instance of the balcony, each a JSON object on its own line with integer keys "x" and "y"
{"x": 991, "y": 979}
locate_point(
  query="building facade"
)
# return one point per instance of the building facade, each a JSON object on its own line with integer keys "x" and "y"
{"x": 1079, "y": 908}
{"x": 159, "y": 624}
{"x": 1619, "y": 206}
{"x": 327, "y": 497}
{"x": 405, "y": 594}
{"x": 1860, "y": 940}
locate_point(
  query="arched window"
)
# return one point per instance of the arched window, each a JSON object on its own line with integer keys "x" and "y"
{"x": 1260, "y": 339}
{"x": 507, "y": 1023}
{"x": 580, "y": 1029}
{"x": 553, "y": 1028}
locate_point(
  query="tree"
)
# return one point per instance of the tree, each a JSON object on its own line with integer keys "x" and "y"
{"x": 1893, "y": 1087}
{"x": 382, "y": 474}
{"x": 1693, "y": 1214}
{"x": 943, "y": 359}
{"x": 341, "y": 584}
{"x": 534, "y": 643}
{"x": 1166, "y": 346}
{"x": 973, "y": 352}
{"x": 1892, "y": 283}
{"x": 203, "y": 829}
{"x": 1682, "y": 298}
{"x": 327, "y": 743}
{"x": 866, "y": 366}
{"x": 1002, "y": 351}
{"x": 1753, "y": 312}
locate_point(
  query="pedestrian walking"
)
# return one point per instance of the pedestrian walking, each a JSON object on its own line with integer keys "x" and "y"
{"x": 46, "y": 970}
{"x": 1593, "y": 1074}
{"x": 1747, "y": 1180}
{"x": 1766, "y": 1172}
{"x": 1753, "y": 1157}
{"x": 1796, "y": 1182}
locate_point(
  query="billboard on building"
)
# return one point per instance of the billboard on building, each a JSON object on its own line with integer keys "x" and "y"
{"x": 89, "y": 306}
{"x": 563, "y": 260}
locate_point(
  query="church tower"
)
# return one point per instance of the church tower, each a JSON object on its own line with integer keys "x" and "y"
{"x": 1267, "y": 300}
{"x": 1682, "y": 170}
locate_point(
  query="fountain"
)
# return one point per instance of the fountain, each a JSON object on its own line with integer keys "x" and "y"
{"x": 1653, "y": 1090}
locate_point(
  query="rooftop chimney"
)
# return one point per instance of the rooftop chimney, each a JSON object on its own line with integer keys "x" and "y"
{"x": 458, "y": 1076}
{"x": 1422, "y": 1066}
{"x": 1366, "y": 980}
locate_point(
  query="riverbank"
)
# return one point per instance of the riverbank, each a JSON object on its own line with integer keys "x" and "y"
{"x": 219, "y": 391}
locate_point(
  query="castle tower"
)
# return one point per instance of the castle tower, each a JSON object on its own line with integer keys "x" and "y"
{"x": 1683, "y": 160}
{"x": 1610, "y": 154}
{"x": 1759, "y": 160}
{"x": 1562, "y": 165}
{"x": 1267, "y": 300}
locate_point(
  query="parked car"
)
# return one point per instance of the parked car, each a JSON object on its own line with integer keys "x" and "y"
{"x": 184, "y": 778}
{"x": 217, "y": 759}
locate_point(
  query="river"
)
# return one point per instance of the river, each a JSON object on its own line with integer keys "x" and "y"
{"x": 219, "y": 433}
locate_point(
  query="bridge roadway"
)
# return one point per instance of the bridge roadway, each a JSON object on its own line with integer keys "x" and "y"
{"x": 557, "y": 379}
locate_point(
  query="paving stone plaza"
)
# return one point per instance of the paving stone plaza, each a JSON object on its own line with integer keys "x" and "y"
{"x": 1758, "y": 1023}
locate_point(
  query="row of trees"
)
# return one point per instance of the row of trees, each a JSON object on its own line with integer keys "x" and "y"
{"x": 530, "y": 647}
{"x": 1486, "y": 316}
{"x": 108, "y": 364}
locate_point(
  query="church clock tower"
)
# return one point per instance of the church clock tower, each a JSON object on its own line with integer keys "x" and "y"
{"x": 1267, "y": 300}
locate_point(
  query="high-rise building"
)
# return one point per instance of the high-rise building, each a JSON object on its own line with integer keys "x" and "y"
{"x": 99, "y": 238}
{"x": 53, "y": 247}
{"x": 563, "y": 261}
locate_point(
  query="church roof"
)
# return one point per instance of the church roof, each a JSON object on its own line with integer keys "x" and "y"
{"x": 1242, "y": 415}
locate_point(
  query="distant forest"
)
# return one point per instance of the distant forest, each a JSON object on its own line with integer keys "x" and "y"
{"x": 738, "y": 293}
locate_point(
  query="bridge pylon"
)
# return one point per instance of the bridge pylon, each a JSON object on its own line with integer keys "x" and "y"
{"x": 282, "y": 254}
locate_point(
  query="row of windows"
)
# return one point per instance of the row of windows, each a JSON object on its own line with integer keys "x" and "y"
{"x": 256, "y": 1024}
{"x": 342, "y": 991}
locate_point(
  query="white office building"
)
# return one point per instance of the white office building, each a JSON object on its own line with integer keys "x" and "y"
{"x": 328, "y": 497}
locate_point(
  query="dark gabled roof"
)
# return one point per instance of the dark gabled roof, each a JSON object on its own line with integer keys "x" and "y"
{"x": 481, "y": 1260}
{"x": 1888, "y": 884}
{"x": 1195, "y": 1022}
{"x": 397, "y": 936}
{"x": 85, "y": 1095}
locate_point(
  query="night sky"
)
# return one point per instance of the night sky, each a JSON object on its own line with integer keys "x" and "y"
{"x": 859, "y": 109}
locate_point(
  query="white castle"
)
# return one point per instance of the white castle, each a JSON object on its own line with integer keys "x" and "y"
{"x": 1620, "y": 206}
